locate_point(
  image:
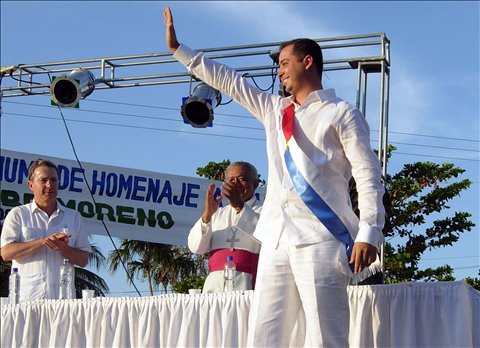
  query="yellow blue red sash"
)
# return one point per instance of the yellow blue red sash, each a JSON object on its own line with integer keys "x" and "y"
{"x": 317, "y": 205}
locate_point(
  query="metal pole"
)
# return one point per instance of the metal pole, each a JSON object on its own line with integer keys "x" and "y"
{"x": 359, "y": 84}
{"x": 364, "y": 93}
{"x": 385, "y": 131}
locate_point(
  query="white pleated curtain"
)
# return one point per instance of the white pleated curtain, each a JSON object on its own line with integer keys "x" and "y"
{"x": 443, "y": 314}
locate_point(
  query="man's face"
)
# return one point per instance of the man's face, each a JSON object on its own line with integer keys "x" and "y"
{"x": 44, "y": 185}
{"x": 240, "y": 176}
{"x": 291, "y": 70}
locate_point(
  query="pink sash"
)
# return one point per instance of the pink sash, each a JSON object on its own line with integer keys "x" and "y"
{"x": 245, "y": 261}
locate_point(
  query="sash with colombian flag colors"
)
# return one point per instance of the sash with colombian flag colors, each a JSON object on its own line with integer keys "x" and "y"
{"x": 299, "y": 166}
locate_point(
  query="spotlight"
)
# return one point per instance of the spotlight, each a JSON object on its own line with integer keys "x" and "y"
{"x": 67, "y": 90}
{"x": 198, "y": 108}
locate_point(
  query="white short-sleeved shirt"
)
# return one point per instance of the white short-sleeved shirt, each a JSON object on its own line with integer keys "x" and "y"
{"x": 39, "y": 272}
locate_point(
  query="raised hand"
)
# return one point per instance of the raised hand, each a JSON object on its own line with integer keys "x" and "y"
{"x": 170, "y": 36}
{"x": 211, "y": 204}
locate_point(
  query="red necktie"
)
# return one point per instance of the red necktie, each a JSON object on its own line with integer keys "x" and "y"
{"x": 287, "y": 121}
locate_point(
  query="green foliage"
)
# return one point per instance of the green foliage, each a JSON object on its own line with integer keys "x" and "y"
{"x": 158, "y": 264}
{"x": 179, "y": 265}
{"x": 419, "y": 194}
{"x": 188, "y": 283}
{"x": 84, "y": 279}
{"x": 5, "y": 270}
{"x": 140, "y": 260}
{"x": 474, "y": 282}
{"x": 214, "y": 170}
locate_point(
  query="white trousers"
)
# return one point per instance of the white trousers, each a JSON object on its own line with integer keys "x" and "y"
{"x": 314, "y": 278}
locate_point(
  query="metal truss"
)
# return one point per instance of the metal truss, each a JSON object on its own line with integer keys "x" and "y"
{"x": 158, "y": 69}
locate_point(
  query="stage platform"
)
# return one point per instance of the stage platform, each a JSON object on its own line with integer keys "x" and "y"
{"x": 441, "y": 314}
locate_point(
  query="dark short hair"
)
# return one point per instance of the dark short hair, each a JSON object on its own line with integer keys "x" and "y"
{"x": 252, "y": 171}
{"x": 303, "y": 47}
{"x": 39, "y": 163}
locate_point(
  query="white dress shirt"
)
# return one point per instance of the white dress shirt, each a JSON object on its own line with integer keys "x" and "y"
{"x": 331, "y": 132}
{"x": 40, "y": 272}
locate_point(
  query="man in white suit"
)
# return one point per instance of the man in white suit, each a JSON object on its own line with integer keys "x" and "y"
{"x": 310, "y": 236}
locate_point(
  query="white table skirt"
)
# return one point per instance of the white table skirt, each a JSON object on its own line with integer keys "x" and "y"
{"x": 443, "y": 314}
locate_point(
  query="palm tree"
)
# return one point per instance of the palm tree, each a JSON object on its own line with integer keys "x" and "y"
{"x": 158, "y": 264}
{"x": 84, "y": 279}
{"x": 141, "y": 258}
{"x": 5, "y": 269}
{"x": 176, "y": 264}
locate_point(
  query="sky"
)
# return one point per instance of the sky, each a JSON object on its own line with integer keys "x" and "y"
{"x": 434, "y": 90}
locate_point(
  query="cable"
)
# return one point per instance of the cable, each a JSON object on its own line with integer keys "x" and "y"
{"x": 424, "y": 145}
{"x": 231, "y": 99}
{"x": 28, "y": 82}
{"x": 263, "y": 90}
{"x": 86, "y": 181}
{"x": 212, "y": 135}
{"x": 453, "y": 158}
{"x": 454, "y": 257}
{"x": 225, "y": 114}
{"x": 128, "y": 104}
{"x": 466, "y": 267}
{"x": 94, "y": 201}
{"x": 255, "y": 82}
{"x": 141, "y": 127}
{"x": 237, "y": 126}
{"x": 232, "y": 136}
{"x": 90, "y": 191}
{"x": 430, "y": 136}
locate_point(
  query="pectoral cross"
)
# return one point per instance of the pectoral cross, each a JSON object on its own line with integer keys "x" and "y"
{"x": 233, "y": 240}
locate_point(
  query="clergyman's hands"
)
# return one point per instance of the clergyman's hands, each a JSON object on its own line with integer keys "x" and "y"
{"x": 363, "y": 255}
{"x": 234, "y": 194}
{"x": 211, "y": 204}
{"x": 170, "y": 36}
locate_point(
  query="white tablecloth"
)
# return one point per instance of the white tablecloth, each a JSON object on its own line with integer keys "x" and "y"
{"x": 444, "y": 314}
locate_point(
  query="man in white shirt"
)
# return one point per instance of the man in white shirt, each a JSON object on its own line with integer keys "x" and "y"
{"x": 34, "y": 238}
{"x": 315, "y": 143}
{"x": 227, "y": 231}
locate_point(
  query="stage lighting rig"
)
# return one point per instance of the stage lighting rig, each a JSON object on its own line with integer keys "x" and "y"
{"x": 197, "y": 109}
{"x": 67, "y": 90}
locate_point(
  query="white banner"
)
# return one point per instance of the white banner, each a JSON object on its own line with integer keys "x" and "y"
{"x": 133, "y": 204}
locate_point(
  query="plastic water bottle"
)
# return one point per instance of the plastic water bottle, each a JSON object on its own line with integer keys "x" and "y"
{"x": 67, "y": 277}
{"x": 229, "y": 272}
{"x": 65, "y": 230}
{"x": 14, "y": 286}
